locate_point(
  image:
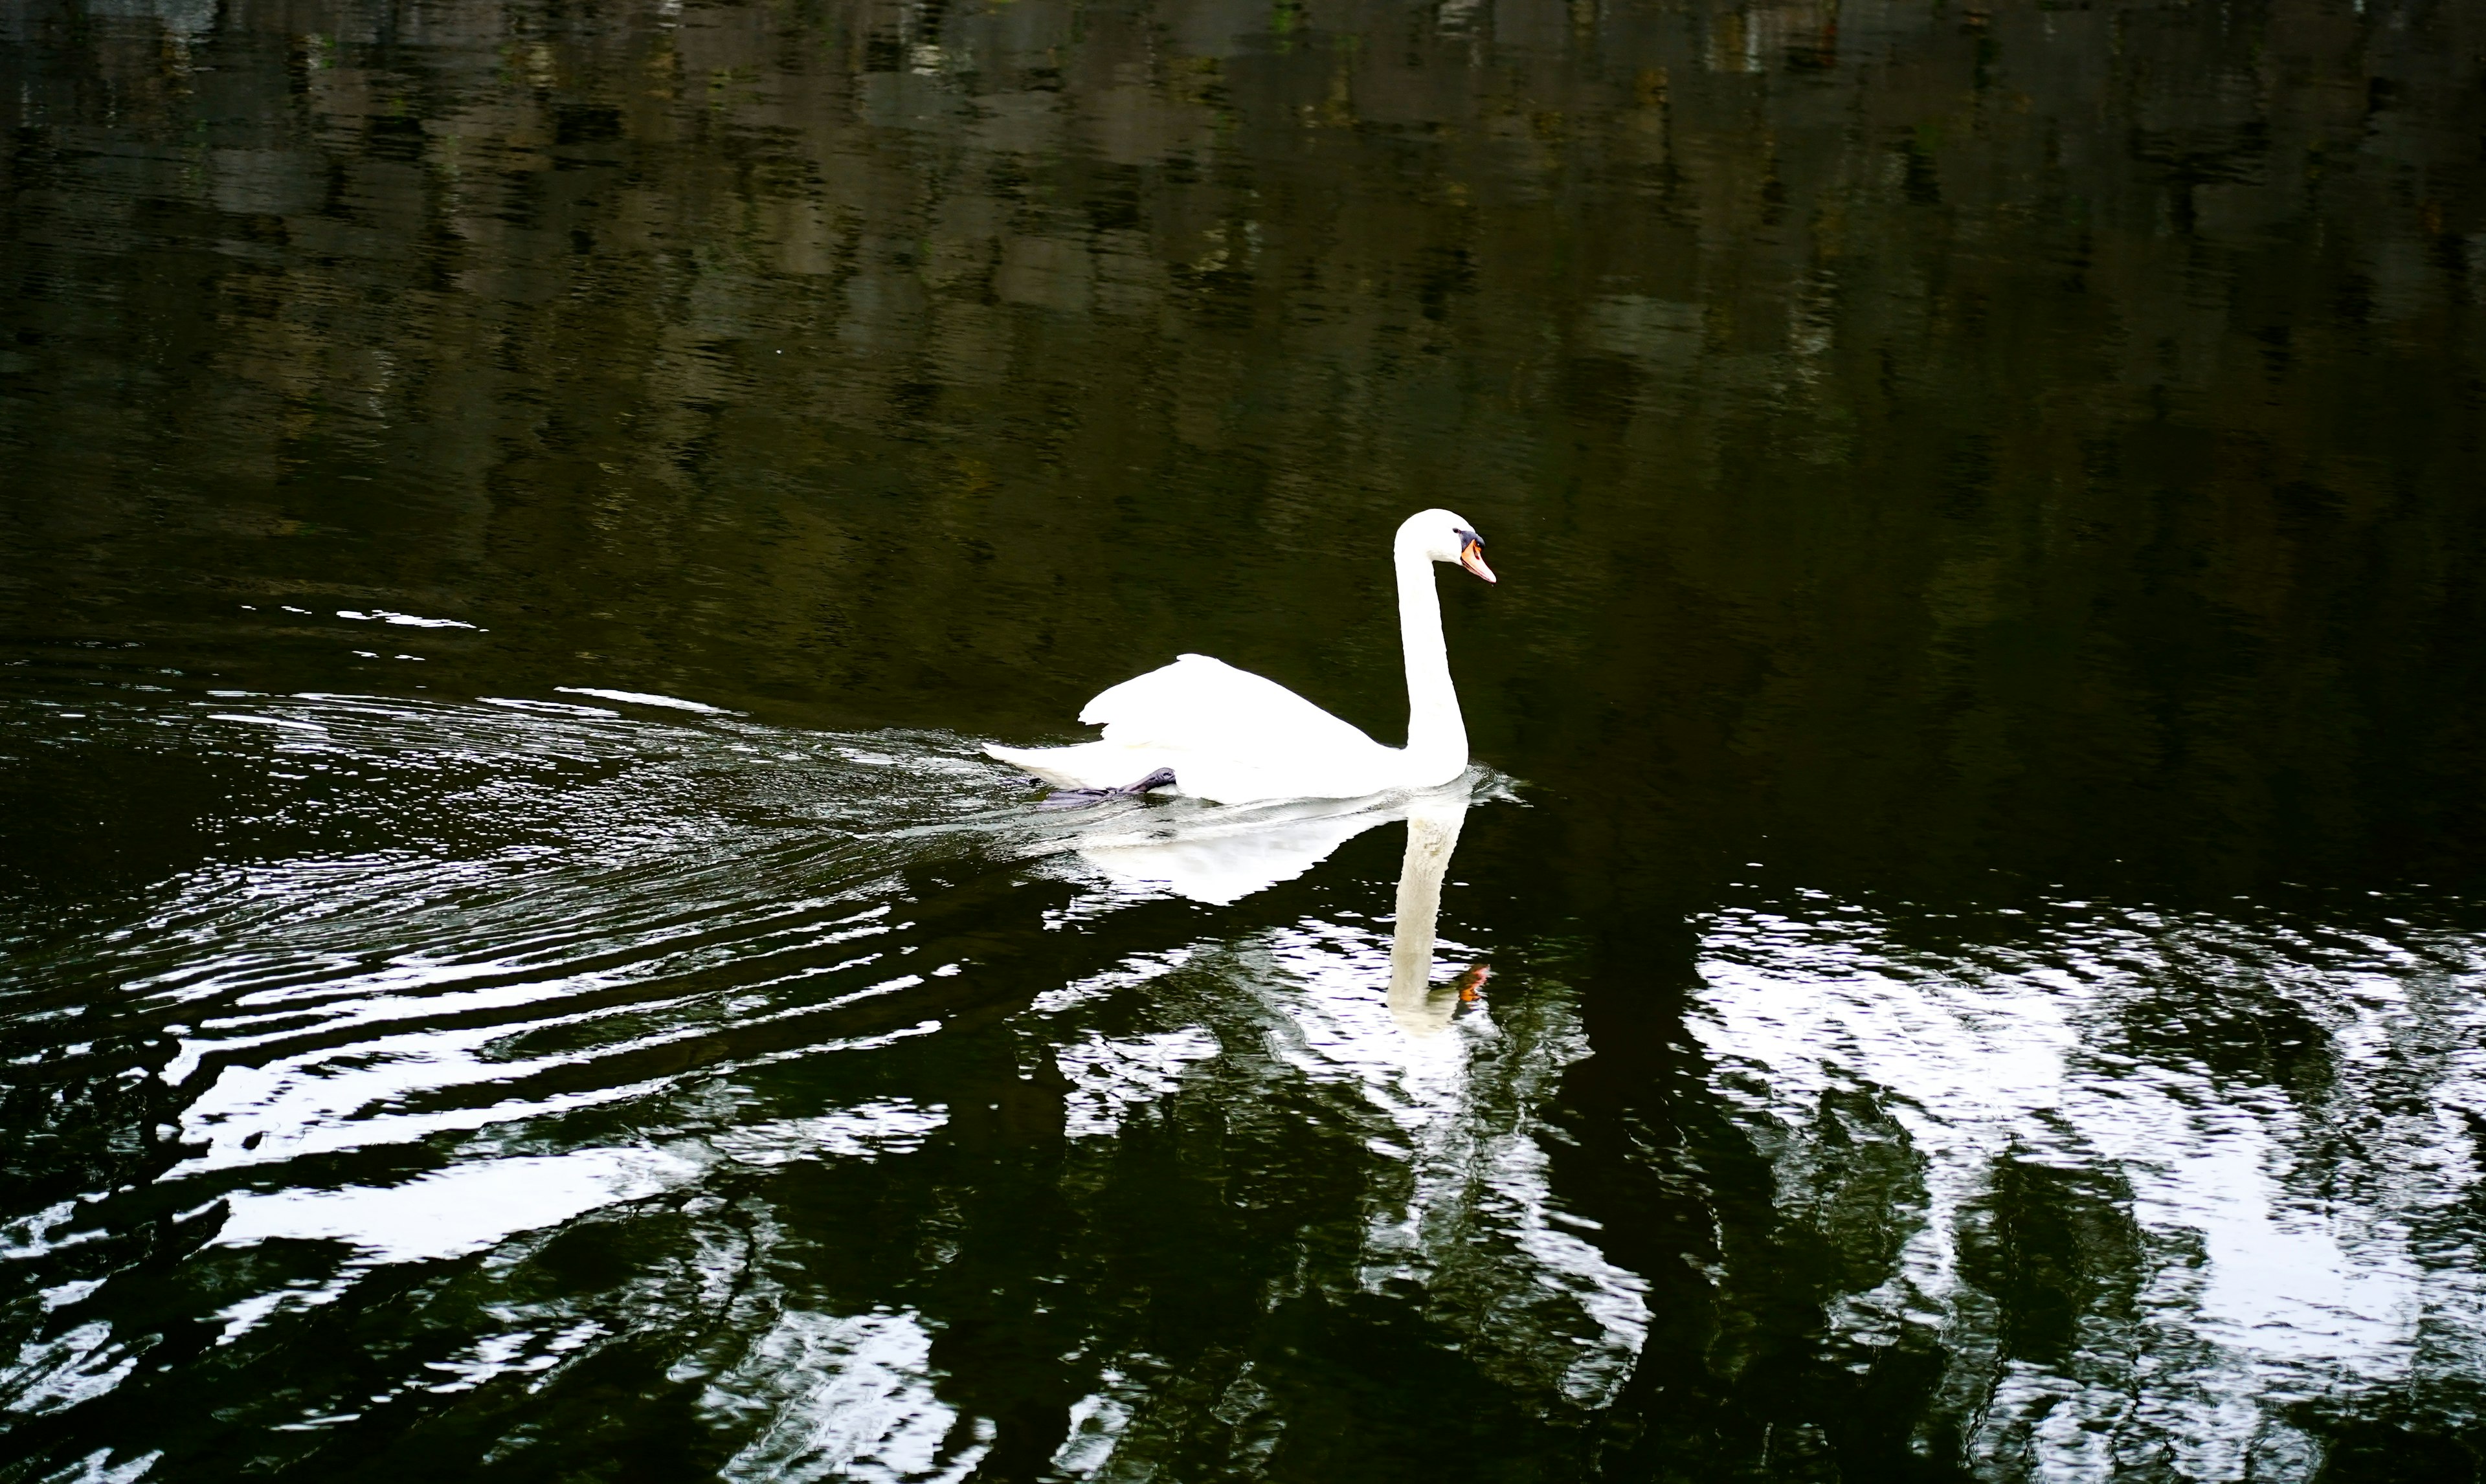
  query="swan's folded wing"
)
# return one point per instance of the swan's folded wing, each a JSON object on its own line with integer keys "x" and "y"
{"x": 1198, "y": 704}
{"x": 1086, "y": 765}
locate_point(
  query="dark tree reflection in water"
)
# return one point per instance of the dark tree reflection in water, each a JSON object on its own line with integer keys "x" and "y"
{"x": 517, "y": 517}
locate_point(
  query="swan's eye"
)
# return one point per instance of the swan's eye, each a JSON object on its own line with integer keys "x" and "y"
{"x": 1471, "y": 554}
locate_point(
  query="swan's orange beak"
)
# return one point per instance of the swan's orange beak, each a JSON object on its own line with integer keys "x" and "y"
{"x": 1472, "y": 557}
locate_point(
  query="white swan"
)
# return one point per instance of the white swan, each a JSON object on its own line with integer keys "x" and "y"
{"x": 1207, "y": 730}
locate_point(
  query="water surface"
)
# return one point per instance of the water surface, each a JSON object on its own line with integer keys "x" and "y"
{"x": 1960, "y": 956}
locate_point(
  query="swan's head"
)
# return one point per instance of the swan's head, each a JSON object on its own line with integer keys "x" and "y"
{"x": 1438, "y": 535}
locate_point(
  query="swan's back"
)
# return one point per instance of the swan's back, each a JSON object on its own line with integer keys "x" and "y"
{"x": 1198, "y": 704}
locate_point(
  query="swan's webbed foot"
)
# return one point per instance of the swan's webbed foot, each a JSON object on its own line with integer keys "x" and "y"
{"x": 1082, "y": 798}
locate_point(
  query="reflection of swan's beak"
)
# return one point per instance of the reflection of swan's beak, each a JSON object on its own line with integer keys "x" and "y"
{"x": 1472, "y": 557}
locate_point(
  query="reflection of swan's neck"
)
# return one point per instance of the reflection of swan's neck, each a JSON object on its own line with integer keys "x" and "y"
{"x": 1432, "y": 834}
{"x": 1437, "y": 738}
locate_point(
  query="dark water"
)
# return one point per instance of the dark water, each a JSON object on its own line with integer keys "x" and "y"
{"x": 518, "y": 518}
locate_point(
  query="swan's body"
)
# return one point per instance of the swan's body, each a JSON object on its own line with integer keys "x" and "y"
{"x": 1234, "y": 737}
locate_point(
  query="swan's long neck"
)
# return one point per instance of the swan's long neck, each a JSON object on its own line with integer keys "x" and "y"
{"x": 1437, "y": 737}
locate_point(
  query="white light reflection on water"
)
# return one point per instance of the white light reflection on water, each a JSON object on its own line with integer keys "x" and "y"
{"x": 540, "y": 1005}
{"x": 1451, "y": 1099}
{"x": 2297, "y": 1236}
{"x": 844, "y": 1396}
{"x": 462, "y": 1209}
{"x": 1470, "y": 1221}
{"x": 605, "y": 973}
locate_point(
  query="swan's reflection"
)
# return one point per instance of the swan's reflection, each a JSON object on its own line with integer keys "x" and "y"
{"x": 1432, "y": 835}
{"x": 1218, "y": 855}
{"x": 1224, "y": 855}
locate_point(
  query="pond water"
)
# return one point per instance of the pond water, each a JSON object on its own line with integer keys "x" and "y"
{"x": 1961, "y": 956}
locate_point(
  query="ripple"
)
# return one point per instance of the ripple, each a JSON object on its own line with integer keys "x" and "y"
{"x": 600, "y": 972}
{"x": 525, "y": 1038}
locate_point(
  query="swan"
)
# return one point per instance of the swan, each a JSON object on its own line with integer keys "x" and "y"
{"x": 1204, "y": 729}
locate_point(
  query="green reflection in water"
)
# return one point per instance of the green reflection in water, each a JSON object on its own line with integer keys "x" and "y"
{"x": 2011, "y": 470}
